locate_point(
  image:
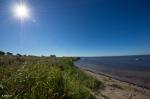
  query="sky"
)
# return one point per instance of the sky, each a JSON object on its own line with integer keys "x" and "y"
{"x": 77, "y": 27}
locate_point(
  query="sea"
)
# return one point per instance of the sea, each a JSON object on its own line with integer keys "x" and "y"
{"x": 133, "y": 69}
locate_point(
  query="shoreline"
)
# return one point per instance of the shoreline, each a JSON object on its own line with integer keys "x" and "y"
{"x": 113, "y": 77}
{"x": 118, "y": 89}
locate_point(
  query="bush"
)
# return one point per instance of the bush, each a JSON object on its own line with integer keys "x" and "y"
{"x": 9, "y": 54}
{"x": 2, "y": 53}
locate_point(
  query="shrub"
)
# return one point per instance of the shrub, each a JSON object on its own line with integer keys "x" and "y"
{"x": 2, "y": 53}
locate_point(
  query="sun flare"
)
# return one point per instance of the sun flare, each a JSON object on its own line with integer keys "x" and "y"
{"x": 21, "y": 11}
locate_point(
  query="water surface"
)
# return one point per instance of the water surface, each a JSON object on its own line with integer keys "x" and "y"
{"x": 133, "y": 69}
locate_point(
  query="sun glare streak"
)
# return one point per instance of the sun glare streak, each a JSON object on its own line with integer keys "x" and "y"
{"x": 21, "y": 11}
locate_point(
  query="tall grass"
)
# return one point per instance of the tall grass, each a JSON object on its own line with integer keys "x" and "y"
{"x": 42, "y": 78}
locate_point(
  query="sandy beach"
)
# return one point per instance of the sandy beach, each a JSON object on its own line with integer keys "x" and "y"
{"x": 116, "y": 89}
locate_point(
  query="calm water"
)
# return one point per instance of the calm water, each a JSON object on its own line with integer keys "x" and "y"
{"x": 134, "y": 69}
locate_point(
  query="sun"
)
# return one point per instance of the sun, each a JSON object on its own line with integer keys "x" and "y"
{"x": 21, "y": 11}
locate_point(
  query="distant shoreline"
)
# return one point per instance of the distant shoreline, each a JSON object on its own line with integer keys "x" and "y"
{"x": 118, "y": 55}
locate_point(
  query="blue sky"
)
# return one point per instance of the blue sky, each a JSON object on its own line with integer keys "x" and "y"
{"x": 77, "y": 28}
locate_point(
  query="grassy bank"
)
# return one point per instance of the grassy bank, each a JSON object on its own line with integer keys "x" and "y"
{"x": 44, "y": 77}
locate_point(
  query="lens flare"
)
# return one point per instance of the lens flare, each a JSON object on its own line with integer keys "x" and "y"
{"x": 21, "y": 11}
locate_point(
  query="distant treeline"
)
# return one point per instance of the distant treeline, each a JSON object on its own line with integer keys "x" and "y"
{"x": 2, "y": 53}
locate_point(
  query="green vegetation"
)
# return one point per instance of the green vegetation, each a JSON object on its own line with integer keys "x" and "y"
{"x": 33, "y": 77}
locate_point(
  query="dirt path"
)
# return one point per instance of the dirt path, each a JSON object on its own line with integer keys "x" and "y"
{"x": 116, "y": 89}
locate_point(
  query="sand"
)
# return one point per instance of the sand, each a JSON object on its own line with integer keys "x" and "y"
{"x": 116, "y": 89}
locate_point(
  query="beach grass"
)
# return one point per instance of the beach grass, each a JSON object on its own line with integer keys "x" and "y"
{"x": 44, "y": 77}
